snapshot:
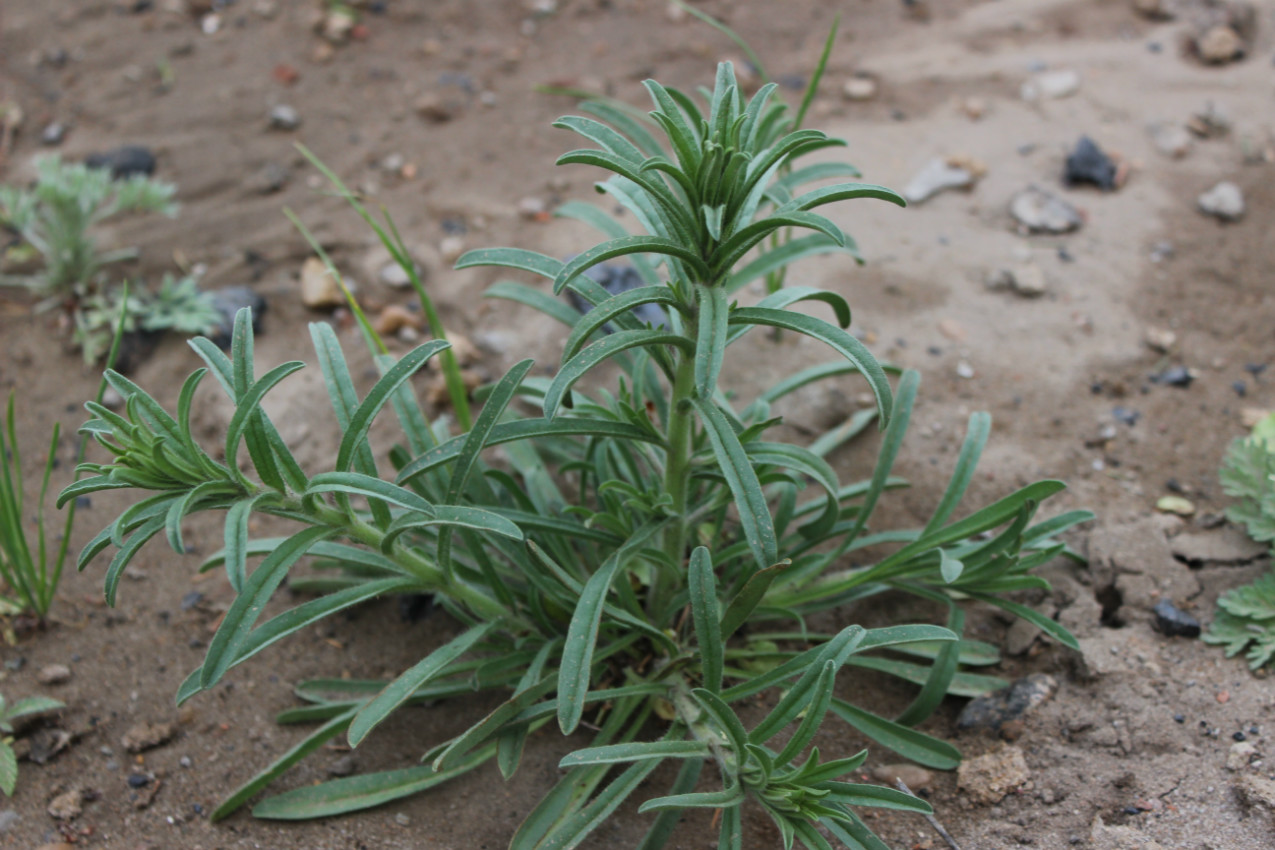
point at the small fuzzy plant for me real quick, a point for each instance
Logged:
(56, 217)
(1245, 617)
(641, 563)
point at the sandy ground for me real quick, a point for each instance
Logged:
(1138, 735)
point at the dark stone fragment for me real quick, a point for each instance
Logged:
(998, 708)
(135, 347)
(190, 600)
(124, 161)
(1088, 164)
(1238, 736)
(1127, 415)
(84, 502)
(138, 780)
(414, 607)
(230, 300)
(1174, 376)
(1172, 622)
(1255, 369)
(1241, 388)
(616, 278)
(1179, 718)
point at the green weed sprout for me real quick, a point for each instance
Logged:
(640, 558)
(30, 570)
(56, 217)
(178, 305)
(1245, 617)
(8, 714)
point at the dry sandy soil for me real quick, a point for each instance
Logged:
(1106, 749)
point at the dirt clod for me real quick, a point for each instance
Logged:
(146, 736)
(67, 805)
(988, 778)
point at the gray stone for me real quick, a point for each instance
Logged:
(937, 175)
(994, 710)
(1224, 201)
(284, 117)
(1051, 85)
(1038, 211)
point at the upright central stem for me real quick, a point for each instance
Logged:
(677, 471)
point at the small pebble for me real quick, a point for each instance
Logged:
(53, 674)
(1174, 376)
(1224, 201)
(53, 134)
(1173, 622)
(284, 117)
(138, 780)
(124, 161)
(859, 88)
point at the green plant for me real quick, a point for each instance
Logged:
(178, 305)
(57, 214)
(8, 714)
(645, 556)
(27, 572)
(1245, 617)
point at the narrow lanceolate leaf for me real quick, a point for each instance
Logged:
(660, 832)
(636, 751)
(628, 245)
(356, 793)
(248, 605)
(575, 368)
(941, 673)
(710, 343)
(361, 418)
(1049, 626)
(534, 298)
(279, 766)
(358, 484)
(617, 305)
(750, 596)
(513, 258)
(402, 688)
(754, 512)
(529, 429)
(569, 833)
(725, 798)
(813, 718)
(704, 612)
(907, 742)
(842, 342)
(980, 424)
(582, 634)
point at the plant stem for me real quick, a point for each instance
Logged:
(677, 470)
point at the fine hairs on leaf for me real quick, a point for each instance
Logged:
(630, 551)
